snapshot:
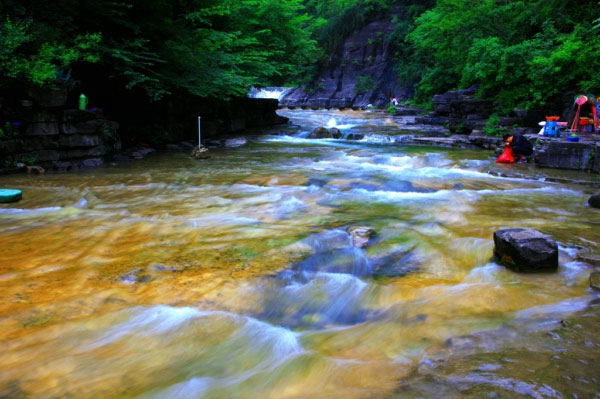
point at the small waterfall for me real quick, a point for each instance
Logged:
(332, 123)
(269, 92)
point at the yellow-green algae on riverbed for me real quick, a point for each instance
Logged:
(236, 278)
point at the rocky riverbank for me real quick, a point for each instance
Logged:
(459, 119)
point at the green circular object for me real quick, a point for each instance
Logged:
(9, 195)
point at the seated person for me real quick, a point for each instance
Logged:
(522, 148)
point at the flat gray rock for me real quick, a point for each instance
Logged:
(526, 250)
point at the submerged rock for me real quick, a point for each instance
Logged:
(360, 235)
(319, 133)
(235, 142)
(134, 276)
(200, 152)
(526, 250)
(396, 264)
(335, 133)
(92, 163)
(595, 280)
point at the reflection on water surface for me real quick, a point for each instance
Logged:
(236, 277)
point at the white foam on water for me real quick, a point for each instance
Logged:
(82, 203)
(260, 199)
(332, 283)
(485, 274)
(555, 310)
(458, 195)
(194, 388)
(573, 270)
(312, 189)
(570, 251)
(269, 92)
(300, 140)
(277, 343)
(409, 167)
(555, 211)
(222, 220)
(329, 294)
(328, 240)
(290, 206)
(376, 139)
(392, 196)
(34, 211)
(510, 384)
(149, 321)
(332, 123)
(162, 319)
(281, 342)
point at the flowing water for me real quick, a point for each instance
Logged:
(236, 277)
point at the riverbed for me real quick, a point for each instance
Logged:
(236, 276)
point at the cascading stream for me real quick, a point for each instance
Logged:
(238, 277)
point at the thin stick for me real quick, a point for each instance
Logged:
(199, 134)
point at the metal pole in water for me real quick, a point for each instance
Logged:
(199, 134)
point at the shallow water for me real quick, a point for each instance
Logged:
(235, 277)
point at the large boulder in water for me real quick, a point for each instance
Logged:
(335, 133)
(526, 250)
(320, 133)
(594, 200)
(324, 133)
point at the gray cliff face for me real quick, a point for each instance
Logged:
(359, 74)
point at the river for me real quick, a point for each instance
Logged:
(236, 277)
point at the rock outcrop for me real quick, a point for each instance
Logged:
(324, 133)
(459, 110)
(359, 74)
(594, 200)
(565, 155)
(525, 250)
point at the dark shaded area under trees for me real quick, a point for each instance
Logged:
(152, 62)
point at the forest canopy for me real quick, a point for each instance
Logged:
(517, 52)
(209, 48)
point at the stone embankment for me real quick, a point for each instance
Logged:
(58, 138)
(42, 130)
(466, 118)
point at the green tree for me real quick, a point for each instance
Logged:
(519, 53)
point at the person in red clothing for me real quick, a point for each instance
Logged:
(522, 148)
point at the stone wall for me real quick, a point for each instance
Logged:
(55, 137)
(560, 154)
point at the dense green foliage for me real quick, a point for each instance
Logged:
(520, 53)
(209, 48)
